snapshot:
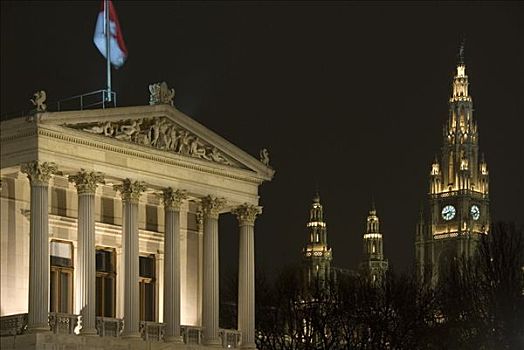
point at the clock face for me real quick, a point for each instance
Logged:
(475, 212)
(448, 212)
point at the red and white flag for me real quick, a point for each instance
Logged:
(117, 47)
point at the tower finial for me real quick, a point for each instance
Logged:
(460, 56)
(316, 197)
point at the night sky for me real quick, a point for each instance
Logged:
(351, 97)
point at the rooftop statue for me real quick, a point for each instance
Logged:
(161, 94)
(264, 156)
(38, 101)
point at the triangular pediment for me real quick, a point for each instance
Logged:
(162, 128)
(160, 133)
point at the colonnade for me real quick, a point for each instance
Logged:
(86, 183)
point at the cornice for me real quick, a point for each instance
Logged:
(149, 154)
(17, 135)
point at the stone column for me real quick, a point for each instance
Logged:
(172, 201)
(39, 175)
(130, 192)
(246, 215)
(86, 183)
(210, 305)
(200, 229)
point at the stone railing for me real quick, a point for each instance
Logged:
(62, 323)
(192, 335)
(13, 324)
(112, 327)
(109, 327)
(152, 331)
(230, 338)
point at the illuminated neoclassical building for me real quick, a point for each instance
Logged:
(457, 212)
(109, 228)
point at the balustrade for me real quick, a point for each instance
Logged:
(13, 324)
(192, 335)
(109, 327)
(230, 338)
(62, 323)
(152, 331)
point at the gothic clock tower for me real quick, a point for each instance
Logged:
(457, 211)
(317, 253)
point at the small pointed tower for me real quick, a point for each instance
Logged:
(458, 197)
(373, 265)
(317, 253)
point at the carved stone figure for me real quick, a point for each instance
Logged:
(102, 128)
(154, 132)
(215, 156)
(157, 132)
(161, 94)
(126, 131)
(183, 146)
(165, 137)
(264, 156)
(38, 101)
(194, 148)
(173, 138)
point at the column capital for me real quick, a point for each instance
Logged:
(39, 173)
(247, 213)
(173, 198)
(211, 206)
(86, 181)
(130, 190)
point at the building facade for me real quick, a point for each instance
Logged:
(374, 265)
(109, 227)
(457, 211)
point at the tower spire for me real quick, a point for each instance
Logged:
(460, 55)
(374, 265)
(317, 253)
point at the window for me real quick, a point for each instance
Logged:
(61, 277)
(147, 288)
(105, 282)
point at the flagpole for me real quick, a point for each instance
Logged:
(108, 48)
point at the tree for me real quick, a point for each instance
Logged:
(481, 298)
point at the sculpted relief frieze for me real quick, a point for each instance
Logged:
(159, 133)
